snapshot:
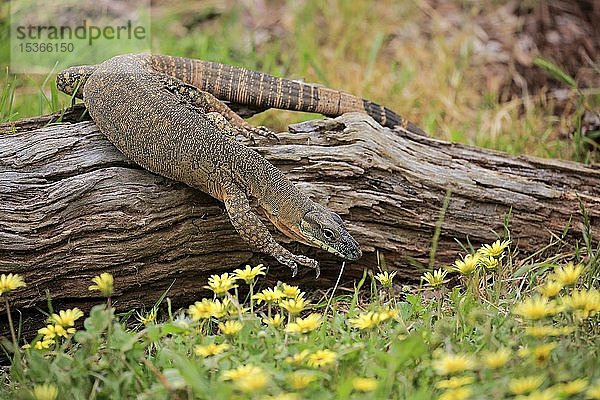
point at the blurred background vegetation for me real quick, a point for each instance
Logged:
(518, 76)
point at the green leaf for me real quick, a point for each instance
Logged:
(555, 71)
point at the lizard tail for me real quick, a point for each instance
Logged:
(242, 86)
(387, 117)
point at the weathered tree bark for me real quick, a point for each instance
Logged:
(72, 206)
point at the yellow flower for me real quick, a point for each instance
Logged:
(290, 291)
(51, 331)
(293, 306)
(103, 283)
(10, 282)
(297, 358)
(249, 274)
(569, 274)
(221, 284)
(564, 330)
(364, 384)
(248, 378)
(497, 359)
(388, 312)
(534, 308)
(240, 373)
(593, 391)
(300, 379)
(208, 308)
(252, 383)
(547, 394)
(489, 262)
(201, 309)
(210, 349)
(304, 325)
(585, 303)
(525, 385)
(495, 250)
(540, 354)
(47, 391)
(468, 265)
(67, 317)
(551, 288)
(385, 278)
(275, 321)
(148, 318)
(540, 331)
(437, 278)
(454, 382)
(230, 327)
(283, 396)
(452, 363)
(321, 358)
(43, 344)
(543, 331)
(368, 319)
(572, 388)
(456, 394)
(268, 296)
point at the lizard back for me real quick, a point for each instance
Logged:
(160, 132)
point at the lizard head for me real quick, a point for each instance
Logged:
(323, 228)
(72, 80)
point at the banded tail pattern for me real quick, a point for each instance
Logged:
(243, 86)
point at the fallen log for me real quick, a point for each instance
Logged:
(72, 206)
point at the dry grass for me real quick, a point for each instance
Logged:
(443, 67)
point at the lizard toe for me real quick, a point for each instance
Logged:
(307, 262)
(266, 132)
(294, 268)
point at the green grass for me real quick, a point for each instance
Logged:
(399, 54)
(377, 343)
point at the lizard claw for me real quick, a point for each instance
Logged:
(308, 262)
(260, 131)
(294, 260)
(266, 132)
(248, 131)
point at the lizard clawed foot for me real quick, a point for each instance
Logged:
(294, 260)
(250, 131)
(266, 132)
(308, 262)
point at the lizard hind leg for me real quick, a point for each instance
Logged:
(209, 104)
(255, 233)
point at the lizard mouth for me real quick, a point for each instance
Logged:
(347, 248)
(352, 255)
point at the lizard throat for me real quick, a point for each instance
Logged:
(296, 234)
(291, 232)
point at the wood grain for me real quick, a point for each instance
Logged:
(72, 206)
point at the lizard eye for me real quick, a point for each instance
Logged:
(328, 233)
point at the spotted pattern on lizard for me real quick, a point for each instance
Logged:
(166, 115)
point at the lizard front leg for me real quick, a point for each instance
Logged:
(255, 233)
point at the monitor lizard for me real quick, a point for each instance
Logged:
(165, 114)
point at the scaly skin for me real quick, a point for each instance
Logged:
(255, 89)
(176, 130)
